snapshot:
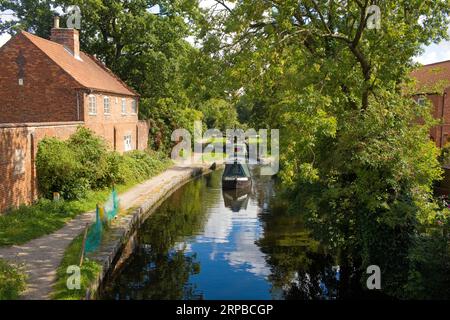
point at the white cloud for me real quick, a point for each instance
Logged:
(5, 16)
(155, 9)
(4, 38)
(435, 53)
(209, 3)
(247, 254)
(218, 227)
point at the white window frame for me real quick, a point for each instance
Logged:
(106, 105)
(124, 106)
(92, 105)
(422, 101)
(127, 143)
(134, 106)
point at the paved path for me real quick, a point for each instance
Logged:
(41, 257)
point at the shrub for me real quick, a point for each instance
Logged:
(12, 281)
(113, 174)
(220, 114)
(444, 157)
(137, 166)
(165, 116)
(83, 163)
(91, 153)
(59, 171)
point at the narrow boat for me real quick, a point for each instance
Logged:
(236, 176)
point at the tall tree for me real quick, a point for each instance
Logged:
(354, 155)
(143, 41)
(35, 16)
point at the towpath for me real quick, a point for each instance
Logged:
(41, 257)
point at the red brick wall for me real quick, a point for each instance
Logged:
(48, 93)
(143, 130)
(445, 128)
(113, 127)
(18, 147)
(441, 133)
(14, 186)
(70, 38)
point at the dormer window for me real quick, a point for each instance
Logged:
(106, 105)
(92, 105)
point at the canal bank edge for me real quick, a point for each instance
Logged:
(120, 239)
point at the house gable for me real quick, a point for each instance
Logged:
(33, 88)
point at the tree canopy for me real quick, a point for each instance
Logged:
(149, 45)
(355, 157)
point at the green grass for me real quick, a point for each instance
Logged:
(90, 269)
(12, 281)
(30, 222)
(218, 140)
(45, 217)
(210, 158)
(89, 273)
(251, 140)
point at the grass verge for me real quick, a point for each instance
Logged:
(26, 223)
(30, 222)
(12, 281)
(89, 273)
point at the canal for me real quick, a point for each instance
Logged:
(207, 243)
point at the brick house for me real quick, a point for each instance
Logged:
(433, 83)
(49, 88)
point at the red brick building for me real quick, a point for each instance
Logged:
(433, 83)
(49, 88)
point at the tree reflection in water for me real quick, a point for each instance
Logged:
(160, 267)
(311, 250)
(324, 255)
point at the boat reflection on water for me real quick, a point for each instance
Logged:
(236, 199)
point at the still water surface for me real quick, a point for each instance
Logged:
(202, 243)
(207, 243)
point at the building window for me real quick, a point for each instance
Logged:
(133, 106)
(127, 143)
(124, 106)
(92, 105)
(422, 101)
(107, 105)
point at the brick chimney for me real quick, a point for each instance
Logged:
(70, 38)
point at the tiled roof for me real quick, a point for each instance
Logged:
(88, 72)
(432, 77)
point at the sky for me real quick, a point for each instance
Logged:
(433, 53)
